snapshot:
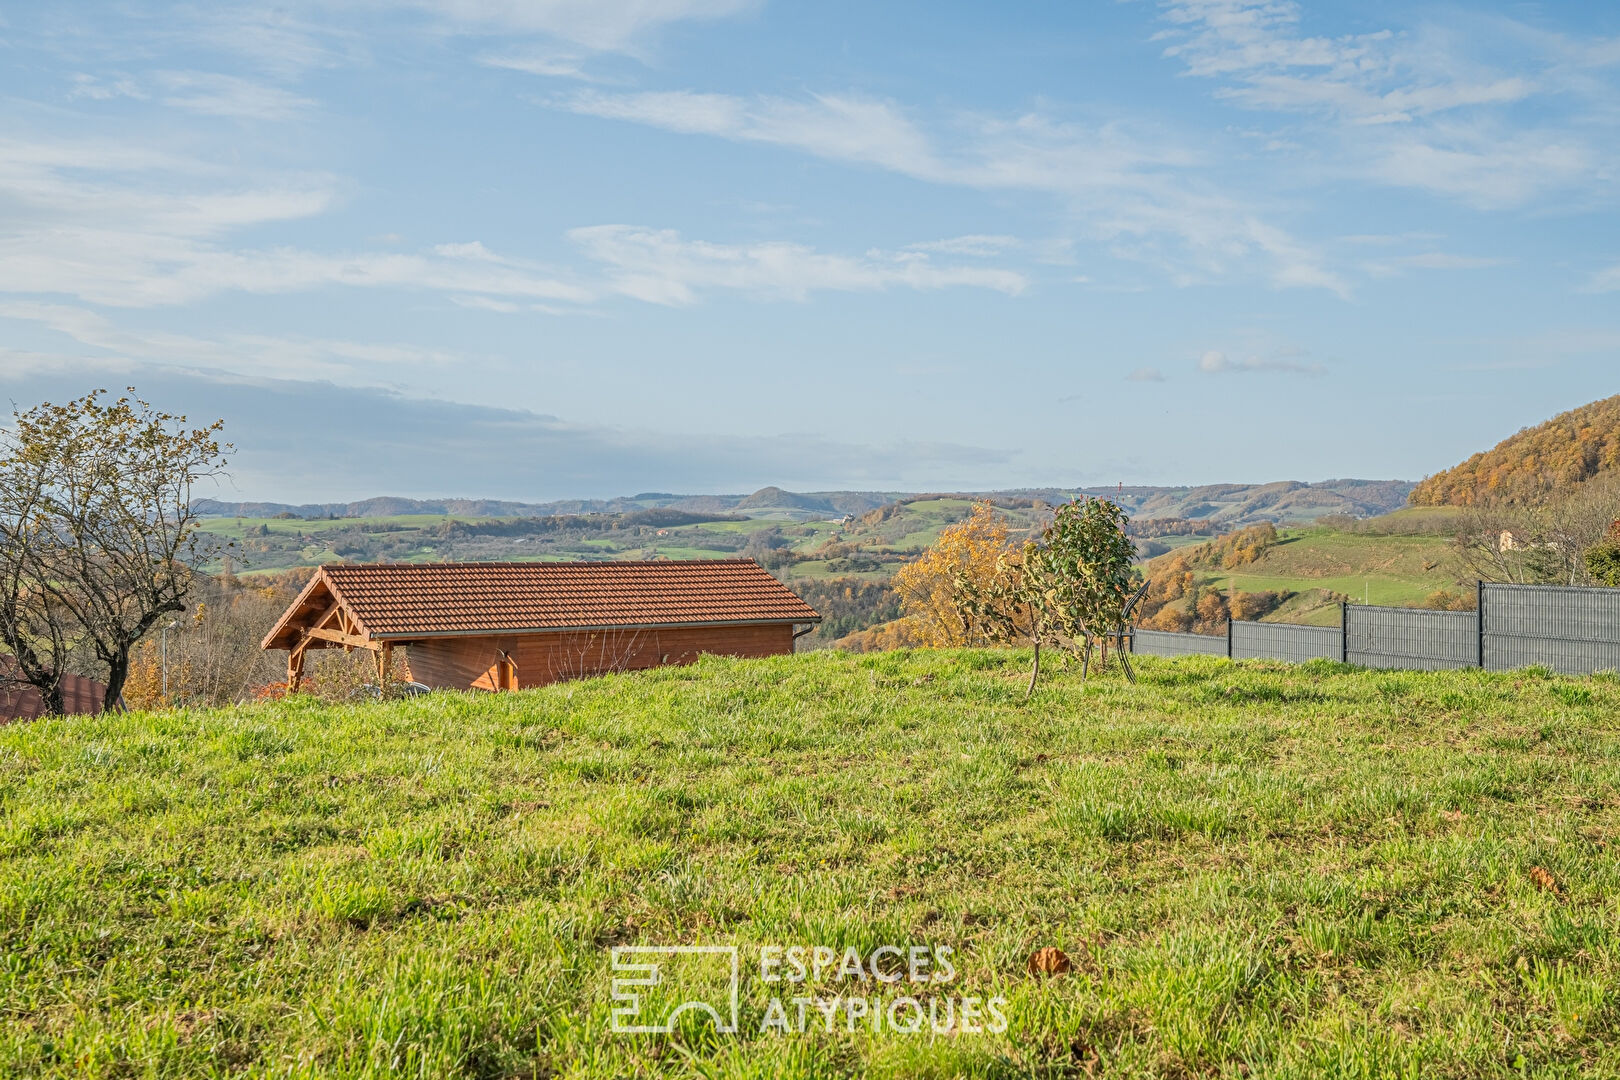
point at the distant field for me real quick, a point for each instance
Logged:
(1387, 570)
(236, 528)
(1254, 869)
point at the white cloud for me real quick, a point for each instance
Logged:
(276, 38)
(1138, 196)
(978, 245)
(827, 125)
(474, 249)
(1487, 165)
(129, 226)
(1374, 78)
(91, 88)
(1607, 280)
(603, 25)
(659, 266)
(1215, 362)
(546, 64)
(1146, 374)
(1432, 260)
(240, 354)
(1423, 109)
(230, 96)
(486, 303)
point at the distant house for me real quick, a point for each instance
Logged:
(19, 701)
(502, 626)
(1509, 540)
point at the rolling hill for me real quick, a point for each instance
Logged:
(1288, 501)
(1571, 448)
(1310, 570)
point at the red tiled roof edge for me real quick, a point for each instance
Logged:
(404, 600)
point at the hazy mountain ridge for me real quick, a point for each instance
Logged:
(1281, 501)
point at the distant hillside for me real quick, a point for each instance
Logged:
(1568, 449)
(1282, 502)
(801, 504)
(1222, 504)
(385, 506)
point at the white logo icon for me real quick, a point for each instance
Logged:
(691, 967)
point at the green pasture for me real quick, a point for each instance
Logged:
(1253, 870)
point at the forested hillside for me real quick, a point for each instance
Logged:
(1568, 449)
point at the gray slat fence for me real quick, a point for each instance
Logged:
(1575, 631)
(1571, 630)
(1410, 638)
(1169, 643)
(1286, 641)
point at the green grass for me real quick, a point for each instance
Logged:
(1389, 570)
(1257, 870)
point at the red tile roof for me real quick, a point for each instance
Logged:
(399, 600)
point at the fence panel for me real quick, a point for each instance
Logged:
(1284, 641)
(1410, 638)
(1574, 631)
(1169, 643)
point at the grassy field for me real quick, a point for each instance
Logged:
(1390, 571)
(1255, 870)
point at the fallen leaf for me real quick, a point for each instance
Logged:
(1049, 961)
(1544, 879)
(1453, 815)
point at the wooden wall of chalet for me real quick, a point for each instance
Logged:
(19, 702)
(475, 662)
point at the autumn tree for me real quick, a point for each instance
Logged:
(929, 587)
(1071, 586)
(1014, 603)
(97, 537)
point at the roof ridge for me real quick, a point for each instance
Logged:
(504, 564)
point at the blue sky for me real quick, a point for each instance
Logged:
(591, 247)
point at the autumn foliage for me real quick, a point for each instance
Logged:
(1177, 600)
(1568, 449)
(968, 550)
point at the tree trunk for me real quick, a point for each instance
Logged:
(1034, 671)
(50, 696)
(117, 675)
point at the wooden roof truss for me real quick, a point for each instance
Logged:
(336, 627)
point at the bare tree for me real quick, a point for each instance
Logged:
(595, 653)
(97, 537)
(1544, 543)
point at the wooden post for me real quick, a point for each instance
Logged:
(295, 669)
(385, 668)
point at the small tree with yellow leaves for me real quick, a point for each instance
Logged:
(930, 587)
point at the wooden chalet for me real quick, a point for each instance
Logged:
(501, 626)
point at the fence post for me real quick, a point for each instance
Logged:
(1479, 609)
(1344, 631)
(1229, 637)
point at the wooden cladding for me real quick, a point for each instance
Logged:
(513, 661)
